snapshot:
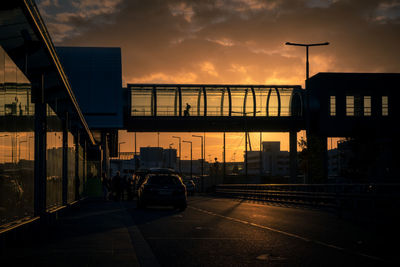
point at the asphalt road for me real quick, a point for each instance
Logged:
(232, 232)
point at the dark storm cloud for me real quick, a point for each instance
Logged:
(236, 41)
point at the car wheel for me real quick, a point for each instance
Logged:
(182, 206)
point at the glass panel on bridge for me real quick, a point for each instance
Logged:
(286, 96)
(249, 103)
(261, 101)
(167, 101)
(201, 106)
(216, 99)
(190, 98)
(272, 102)
(238, 98)
(141, 101)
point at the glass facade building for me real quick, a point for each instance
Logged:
(16, 142)
(43, 134)
(17, 150)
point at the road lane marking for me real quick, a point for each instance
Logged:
(144, 253)
(202, 238)
(287, 234)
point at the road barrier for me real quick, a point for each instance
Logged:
(338, 196)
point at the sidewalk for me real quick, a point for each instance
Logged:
(95, 234)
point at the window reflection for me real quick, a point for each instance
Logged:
(367, 106)
(54, 160)
(332, 105)
(16, 143)
(349, 105)
(71, 167)
(81, 161)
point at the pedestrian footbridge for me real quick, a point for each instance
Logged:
(205, 107)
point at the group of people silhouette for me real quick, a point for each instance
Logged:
(118, 187)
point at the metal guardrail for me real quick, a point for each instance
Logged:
(338, 196)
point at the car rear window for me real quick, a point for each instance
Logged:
(163, 180)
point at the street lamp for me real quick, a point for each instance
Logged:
(119, 149)
(307, 46)
(180, 153)
(202, 154)
(191, 157)
(170, 156)
(202, 160)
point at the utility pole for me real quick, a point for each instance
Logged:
(202, 154)
(180, 153)
(191, 158)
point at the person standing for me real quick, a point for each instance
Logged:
(105, 182)
(117, 186)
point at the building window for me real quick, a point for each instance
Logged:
(367, 105)
(349, 105)
(385, 105)
(332, 105)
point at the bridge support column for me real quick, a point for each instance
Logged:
(317, 158)
(65, 161)
(105, 165)
(293, 155)
(40, 171)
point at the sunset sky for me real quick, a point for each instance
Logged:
(230, 41)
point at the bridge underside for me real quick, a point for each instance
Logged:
(214, 124)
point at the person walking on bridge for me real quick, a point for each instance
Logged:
(187, 109)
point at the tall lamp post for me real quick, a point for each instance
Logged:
(191, 157)
(202, 160)
(180, 153)
(293, 133)
(307, 46)
(202, 154)
(170, 156)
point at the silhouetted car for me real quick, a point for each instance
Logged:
(190, 187)
(162, 189)
(162, 171)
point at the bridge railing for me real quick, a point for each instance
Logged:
(338, 196)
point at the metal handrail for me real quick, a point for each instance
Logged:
(340, 196)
